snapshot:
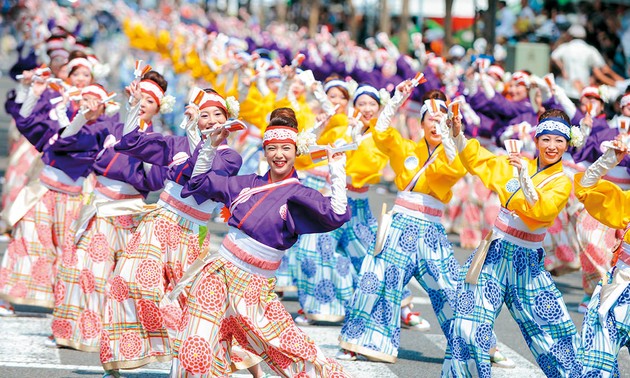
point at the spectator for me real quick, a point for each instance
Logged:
(576, 60)
(506, 20)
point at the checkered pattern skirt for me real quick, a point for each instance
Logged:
(225, 304)
(83, 273)
(135, 325)
(29, 267)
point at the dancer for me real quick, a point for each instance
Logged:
(165, 243)
(107, 220)
(232, 297)
(606, 323)
(511, 269)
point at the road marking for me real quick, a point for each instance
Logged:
(523, 367)
(327, 338)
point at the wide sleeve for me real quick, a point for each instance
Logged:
(153, 148)
(552, 198)
(441, 175)
(396, 148)
(364, 165)
(605, 202)
(309, 212)
(484, 164)
(37, 128)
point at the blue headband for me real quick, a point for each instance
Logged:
(366, 90)
(554, 126)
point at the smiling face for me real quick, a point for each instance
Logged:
(368, 107)
(81, 77)
(211, 116)
(274, 84)
(336, 97)
(297, 87)
(148, 108)
(430, 125)
(550, 148)
(517, 92)
(281, 158)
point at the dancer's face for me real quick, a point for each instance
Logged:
(368, 107)
(81, 77)
(550, 148)
(281, 158)
(211, 116)
(148, 108)
(336, 97)
(518, 92)
(430, 125)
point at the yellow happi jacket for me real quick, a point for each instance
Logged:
(365, 165)
(255, 108)
(408, 157)
(606, 202)
(334, 130)
(497, 174)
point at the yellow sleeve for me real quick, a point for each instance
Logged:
(605, 202)
(335, 129)
(439, 177)
(365, 165)
(552, 198)
(255, 108)
(495, 172)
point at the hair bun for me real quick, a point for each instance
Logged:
(283, 117)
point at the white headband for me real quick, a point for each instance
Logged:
(79, 62)
(280, 134)
(151, 88)
(432, 106)
(335, 83)
(625, 100)
(95, 90)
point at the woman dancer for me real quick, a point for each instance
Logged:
(165, 243)
(232, 297)
(107, 221)
(532, 193)
(607, 322)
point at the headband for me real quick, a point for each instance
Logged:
(366, 90)
(151, 88)
(76, 62)
(432, 106)
(625, 100)
(554, 126)
(280, 134)
(95, 90)
(335, 83)
(521, 78)
(213, 99)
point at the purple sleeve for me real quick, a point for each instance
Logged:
(309, 212)
(591, 151)
(153, 148)
(89, 139)
(505, 108)
(218, 186)
(10, 106)
(37, 128)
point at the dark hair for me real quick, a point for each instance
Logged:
(157, 78)
(554, 113)
(343, 90)
(435, 94)
(283, 117)
(73, 55)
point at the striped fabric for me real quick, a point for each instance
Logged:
(83, 273)
(286, 273)
(413, 248)
(561, 243)
(597, 243)
(136, 329)
(226, 303)
(601, 342)
(27, 275)
(513, 275)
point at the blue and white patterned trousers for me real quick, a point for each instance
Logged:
(513, 275)
(601, 342)
(413, 248)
